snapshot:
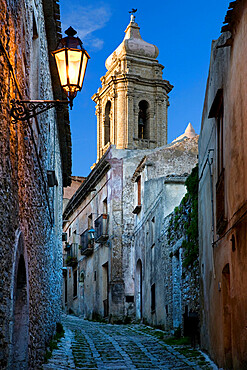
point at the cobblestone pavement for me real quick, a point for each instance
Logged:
(93, 345)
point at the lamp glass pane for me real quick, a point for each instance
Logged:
(61, 66)
(83, 69)
(74, 59)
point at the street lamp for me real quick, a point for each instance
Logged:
(91, 236)
(71, 60)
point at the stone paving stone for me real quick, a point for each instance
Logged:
(93, 345)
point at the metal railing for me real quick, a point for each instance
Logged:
(86, 246)
(101, 228)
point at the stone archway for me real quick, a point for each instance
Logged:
(143, 120)
(139, 289)
(20, 311)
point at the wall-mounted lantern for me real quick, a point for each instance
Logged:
(71, 60)
(91, 233)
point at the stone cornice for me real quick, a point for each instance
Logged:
(134, 79)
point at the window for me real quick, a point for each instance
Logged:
(105, 210)
(167, 312)
(153, 298)
(138, 193)
(74, 236)
(75, 283)
(220, 141)
(129, 299)
(143, 120)
(217, 112)
(152, 230)
(65, 290)
(90, 221)
(138, 181)
(107, 123)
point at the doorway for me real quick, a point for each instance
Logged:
(105, 287)
(139, 289)
(20, 332)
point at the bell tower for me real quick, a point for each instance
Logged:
(131, 105)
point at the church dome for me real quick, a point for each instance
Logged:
(133, 44)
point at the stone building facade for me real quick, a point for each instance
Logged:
(222, 196)
(158, 256)
(134, 161)
(31, 152)
(131, 117)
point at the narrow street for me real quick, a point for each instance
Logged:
(94, 345)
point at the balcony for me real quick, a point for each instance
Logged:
(86, 246)
(221, 220)
(101, 228)
(71, 256)
(71, 249)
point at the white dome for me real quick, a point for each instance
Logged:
(133, 44)
(189, 133)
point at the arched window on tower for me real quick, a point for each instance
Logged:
(107, 123)
(143, 120)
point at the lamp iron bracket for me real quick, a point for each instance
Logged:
(22, 110)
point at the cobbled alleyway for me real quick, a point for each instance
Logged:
(94, 345)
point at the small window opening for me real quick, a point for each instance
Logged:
(35, 28)
(143, 120)
(75, 283)
(167, 312)
(107, 123)
(105, 210)
(233, 242)
(138, 181)
(153, 231)
(90, 221)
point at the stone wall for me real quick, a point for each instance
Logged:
(30, 211)
(182, 282)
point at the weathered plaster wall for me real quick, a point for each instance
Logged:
(222, 264)
(30, 212)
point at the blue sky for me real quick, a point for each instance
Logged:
(183, 32)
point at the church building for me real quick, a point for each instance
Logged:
(101, 218)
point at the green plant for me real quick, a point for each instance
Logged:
(71, 261)
(53, 342)
(190, 244)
